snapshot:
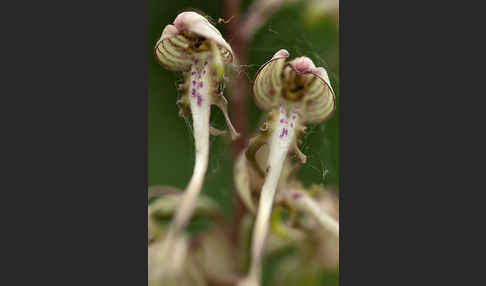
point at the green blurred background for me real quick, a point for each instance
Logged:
(171, 149)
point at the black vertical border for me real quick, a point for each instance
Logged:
(79, 215)
(408, 131)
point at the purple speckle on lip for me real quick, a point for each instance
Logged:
(199, 100)
(281, 121)
(296, 196)
(193, 82)
(200, 84)
(284, 132)
(193, 73)
(193, 91)
(292, 125)
(196, 61)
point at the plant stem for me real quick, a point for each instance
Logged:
(281, 141)
(201, 110)
(239, 88)
(238, 104)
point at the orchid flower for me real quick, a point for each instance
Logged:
(193, 46)
(294, 93)
(319, 248)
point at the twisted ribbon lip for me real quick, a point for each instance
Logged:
(318, 72)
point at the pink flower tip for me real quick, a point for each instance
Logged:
(302, 65)
(186, 19)
(283, 53)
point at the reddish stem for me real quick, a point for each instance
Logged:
(239, 99)
(239, 88)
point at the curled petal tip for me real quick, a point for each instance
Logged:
(283, 53)
(320, 71)
(185, 19)
(169, 32)
(302, 65)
